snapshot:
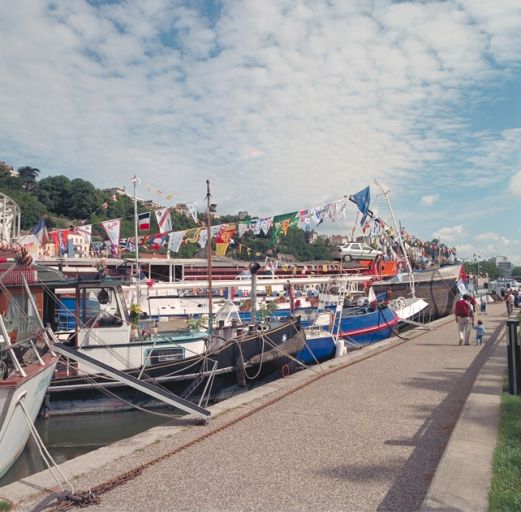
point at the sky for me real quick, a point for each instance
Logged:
(281, 104)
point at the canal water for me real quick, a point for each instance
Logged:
(67, 437)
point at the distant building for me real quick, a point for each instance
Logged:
(505, 267)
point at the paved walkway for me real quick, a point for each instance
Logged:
(364, 437)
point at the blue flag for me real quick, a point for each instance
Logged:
(362, 199)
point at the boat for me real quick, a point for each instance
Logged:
(230, 356)
(236, 358)
(438, 287)
(27, 361)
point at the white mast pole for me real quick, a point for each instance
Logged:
(396, 227)
(135, 181)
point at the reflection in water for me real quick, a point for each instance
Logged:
(67, 437)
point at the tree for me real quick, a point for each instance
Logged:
(83, 199)
(32, 209)
(54, 192)
(485, 267)
(28, 176)
(516, 272)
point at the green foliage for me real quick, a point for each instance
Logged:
(83, 200)
(28, 176)
(64, 203)
(32, 209)
(505, 490)
(54, 192)
(488, 267)
(516, 272)
(5, 505)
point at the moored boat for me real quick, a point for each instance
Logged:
(27, 362)
(438, 287)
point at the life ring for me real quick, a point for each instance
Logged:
(285, 371)
(400, 303)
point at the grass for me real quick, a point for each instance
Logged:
(505, 491)
(4, 505)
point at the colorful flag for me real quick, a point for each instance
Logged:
(61, 240)
(144, 221)
(163, 220)
(40, 232)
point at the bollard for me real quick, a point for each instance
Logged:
(514, 358)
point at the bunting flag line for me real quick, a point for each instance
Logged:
(40, 232)
(163, 220)
(144, 221)
(113, 229)
(174, 240)
(61, 240)
(362, 199)
(85, 232)
(192, 210)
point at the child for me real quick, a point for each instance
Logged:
(480, 332)
(483, 304)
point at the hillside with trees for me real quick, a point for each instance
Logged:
(66, 203)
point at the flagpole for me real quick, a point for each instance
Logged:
(209, 252)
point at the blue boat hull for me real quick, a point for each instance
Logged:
(317, 349)
(367, 325)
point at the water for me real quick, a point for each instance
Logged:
(67, 437)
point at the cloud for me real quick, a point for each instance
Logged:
(515, 184)
(450, 233)
(279, 105)
(429, 200)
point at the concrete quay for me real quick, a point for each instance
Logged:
(404, 425)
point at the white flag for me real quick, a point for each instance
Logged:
(192, 210)
(203, 238)
(175, 239)
(163, 220)
(85, 232)
(113, 228)
(265, 224)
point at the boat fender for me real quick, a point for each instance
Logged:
(340, 348)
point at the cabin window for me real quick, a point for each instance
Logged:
(99, 308)
(165, 355)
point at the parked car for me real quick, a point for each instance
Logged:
(354, 251)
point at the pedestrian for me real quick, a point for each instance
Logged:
(509, 300)
(483, 304)
(465, 319)
(480, 332)
(472, 302)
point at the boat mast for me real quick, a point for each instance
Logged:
(135, 180)
(400, 239)
(209, 252)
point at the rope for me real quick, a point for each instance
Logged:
(46, 456)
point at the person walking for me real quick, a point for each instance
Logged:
(483, 304)
(480, 332)
(465, 319)
(509, 300)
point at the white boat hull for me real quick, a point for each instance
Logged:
(15, 429)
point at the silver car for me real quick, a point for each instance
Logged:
(354, 251)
